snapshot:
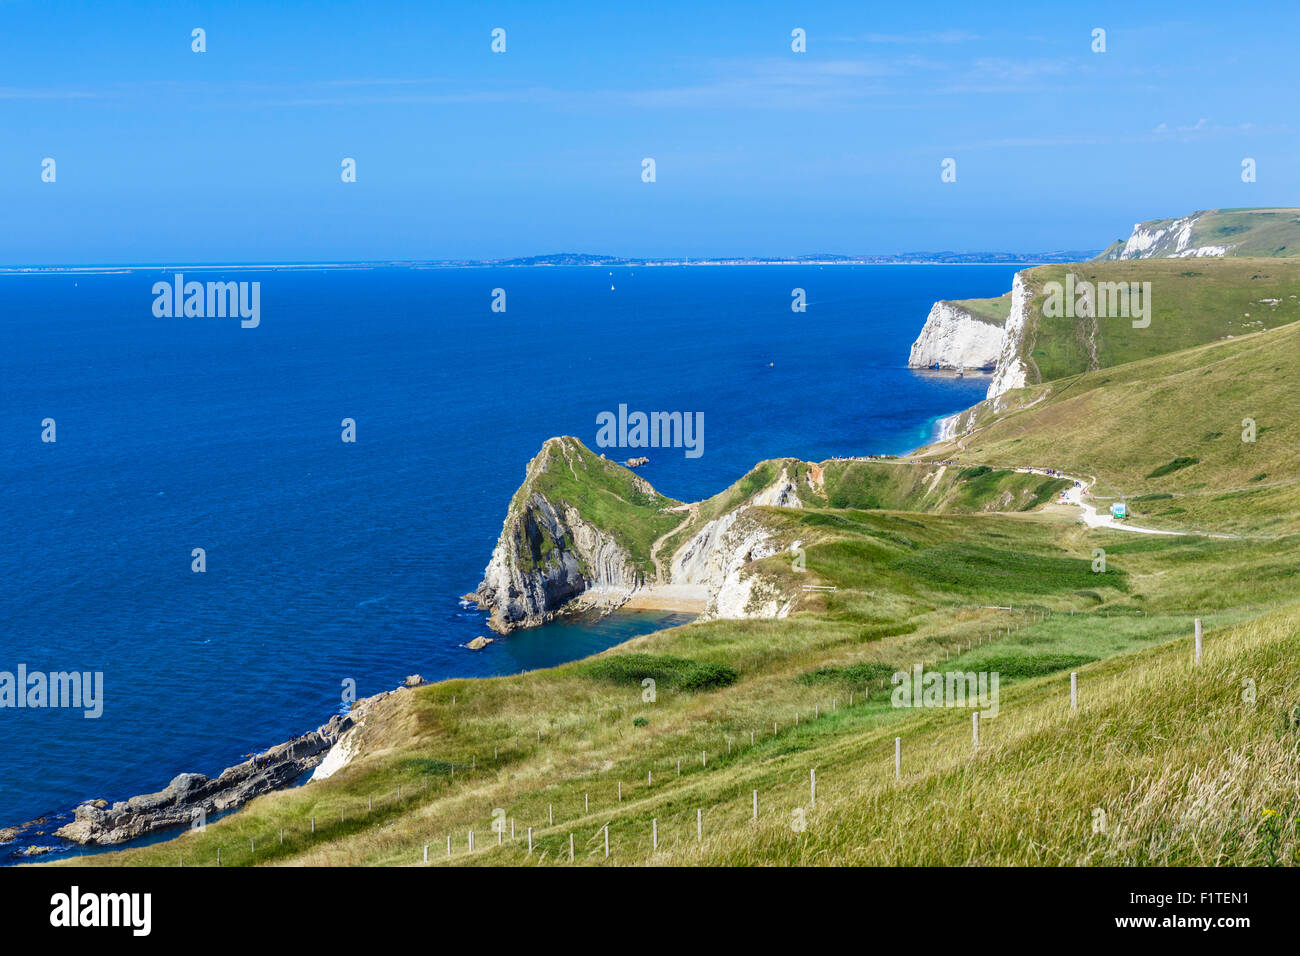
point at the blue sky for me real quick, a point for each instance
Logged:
(165, 155)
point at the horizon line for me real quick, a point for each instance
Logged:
(553, 260)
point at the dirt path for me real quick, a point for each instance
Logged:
(692, 512)
(1094, 518)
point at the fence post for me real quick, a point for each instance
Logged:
(620, 791)
(812, 785)
(898, 758)
(699, 825)
(755, 806)
(570, 847)
(607, 839)
(471, 841)
(1074, 690)
(530, 840)
(550, 814)
(975, 730)
(1198, 640)
(426, 853)
(654, 834)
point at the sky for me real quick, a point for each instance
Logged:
(164, 155)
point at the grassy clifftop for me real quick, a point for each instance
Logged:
(993, 311)
(1237, 232)
(1193, 302)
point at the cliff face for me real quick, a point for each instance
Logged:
(956, 338)
(551, 551)
(1012, 372)
(545, 558)
(718, 558)
(1165, 239)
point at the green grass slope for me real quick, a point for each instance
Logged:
(1166, 433)
(1192, 302)
(993, 311)
(756, 705)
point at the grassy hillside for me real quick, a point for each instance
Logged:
(903, 486)
(1193, 302)
(1166, 434)
(910, 588)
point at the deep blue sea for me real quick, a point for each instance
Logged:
(328, 560)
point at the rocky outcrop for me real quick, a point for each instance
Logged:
(955, 338)
(551, 559)
(544, 559)
(549, 553)
(192, 795)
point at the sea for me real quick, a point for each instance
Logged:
(328, 561)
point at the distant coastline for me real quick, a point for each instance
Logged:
(579, 259)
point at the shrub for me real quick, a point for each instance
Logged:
(1176, 465)
(680, 672)
(862, 673)
(1032, 665)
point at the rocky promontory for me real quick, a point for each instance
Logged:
(552, 550)
(190, 796)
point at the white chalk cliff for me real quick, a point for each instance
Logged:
(719, 555)
(953, 338)
(1011, 371)
(1166, 239)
